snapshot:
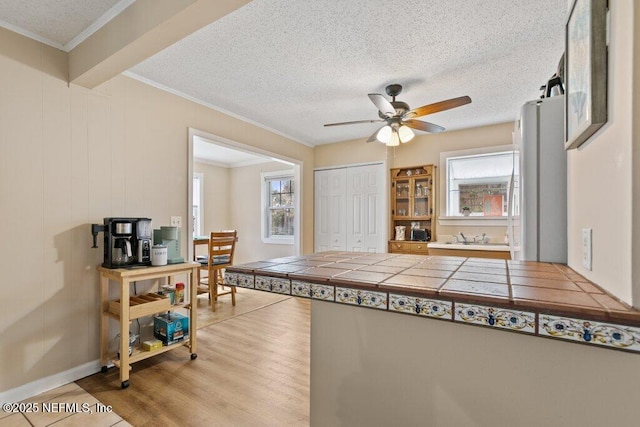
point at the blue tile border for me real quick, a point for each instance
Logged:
(361, 297)
(590, 332)
(239, 279)
(596, 333)
(273, 284)
(504, 318)
(438, 309)
(312, 290)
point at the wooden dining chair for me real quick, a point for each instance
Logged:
(221, 246)
(202, 280)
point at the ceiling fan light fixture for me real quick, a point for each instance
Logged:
(405, 133)
(384, 134)
(395, 139)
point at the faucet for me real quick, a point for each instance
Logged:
(464, 239)
(478, 239)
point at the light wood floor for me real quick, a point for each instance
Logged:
(246, 300)
(251, 370)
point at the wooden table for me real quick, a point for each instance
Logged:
(125, 313)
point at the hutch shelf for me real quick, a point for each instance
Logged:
(413, 210)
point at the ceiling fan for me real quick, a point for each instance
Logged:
(400, 119)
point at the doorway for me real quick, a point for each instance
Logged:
(231, 183)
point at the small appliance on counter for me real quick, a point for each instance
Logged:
(420, 235)
(127, 241)
(169, 237)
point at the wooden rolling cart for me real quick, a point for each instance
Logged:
(129, 307)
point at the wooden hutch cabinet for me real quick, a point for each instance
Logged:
(413, 196)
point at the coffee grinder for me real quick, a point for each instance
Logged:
(127, 241)
(169, 237)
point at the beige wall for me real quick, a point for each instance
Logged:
(216, 206)
(600, 176)
(246, 208)
(373, 368)
(232, 200)
(70, 156)
(424, 149)
(635, 179)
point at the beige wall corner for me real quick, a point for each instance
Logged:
(34, 54)
(143, 29)
(425, 148)
(348, 152)
(635, 160)
(600, 173)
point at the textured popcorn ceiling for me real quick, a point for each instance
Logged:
(55, 22)
(293, 65)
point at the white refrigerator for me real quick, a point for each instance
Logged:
(537, 228)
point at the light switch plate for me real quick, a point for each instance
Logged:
(176, 221)
(586, 248)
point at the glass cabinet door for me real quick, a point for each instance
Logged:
(421, 195)
(402, 197)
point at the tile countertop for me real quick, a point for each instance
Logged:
(553, 289)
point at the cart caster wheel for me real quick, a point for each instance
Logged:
(124, 384)
(104, 369)
(194, 356)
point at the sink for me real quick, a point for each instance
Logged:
(476, 243)
(470, 246)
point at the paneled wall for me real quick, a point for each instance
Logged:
(70, 156)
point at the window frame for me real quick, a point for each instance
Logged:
(198, 220)
(266, 209)
(444, 218)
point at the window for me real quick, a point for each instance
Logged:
(478, 185)
(198, 181)
(279, 207)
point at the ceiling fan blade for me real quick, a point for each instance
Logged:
(437, 107)
(383, 105)
(353, 123)
(374, 136)
(423, 126)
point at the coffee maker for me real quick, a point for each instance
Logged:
(127, 241)
(144, 232)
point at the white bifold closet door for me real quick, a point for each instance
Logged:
(349, 207)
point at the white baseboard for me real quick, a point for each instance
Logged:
(45, 384)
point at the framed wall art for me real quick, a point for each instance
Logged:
(585, 71)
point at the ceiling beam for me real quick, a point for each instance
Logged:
(140, 31)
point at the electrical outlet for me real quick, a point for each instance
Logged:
(176, 221)
(586, 248)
